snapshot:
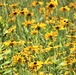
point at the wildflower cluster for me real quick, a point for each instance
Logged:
(37, 37)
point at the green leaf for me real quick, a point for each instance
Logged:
(5, 63)
(7, 71)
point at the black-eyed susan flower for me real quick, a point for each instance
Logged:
(66, 8)
(72, 5)
(29, 14)
(33, 32)
(32, 65)
(29, 22)
(50, 35)
(36, 48)
(52, 4)
(58, 27)
(39, 65)
(10, 43)
(13, 5)
(63, 22)
(35, 66)
(51, 20)
(34, 3)
(14, 12)
(39, 26)
(46, 13)
(24, 11)
(18, 59)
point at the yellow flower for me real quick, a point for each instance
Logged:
(63, 22)
(34, 3)
(66, 8)
(40, 3)
(14, 12)
(50, 35)
(71, 36)
(13, 43)
(50, 74)
(12, 19)
(11, 30)
(58, 27)
(10, 43)
(35, 66)
(24, 11)
(70, 44)
(73, 49)
(7, 43)
(47, 13)
(13, 5)
(42, 73)
(39, 26)
(52, 4)
(41, 9)
(18, 59)
(32, 65)
(34, 32)
(39, 65)
(29, 22)
(66, 73)
(74, 60)
(29, 14)
(73, 5)
(14, 69)
(36, 48)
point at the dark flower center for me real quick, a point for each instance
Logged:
(22, 12)
(29, 14)
(51, 5)
(38, 28)
(15, 13)
(57, 28)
